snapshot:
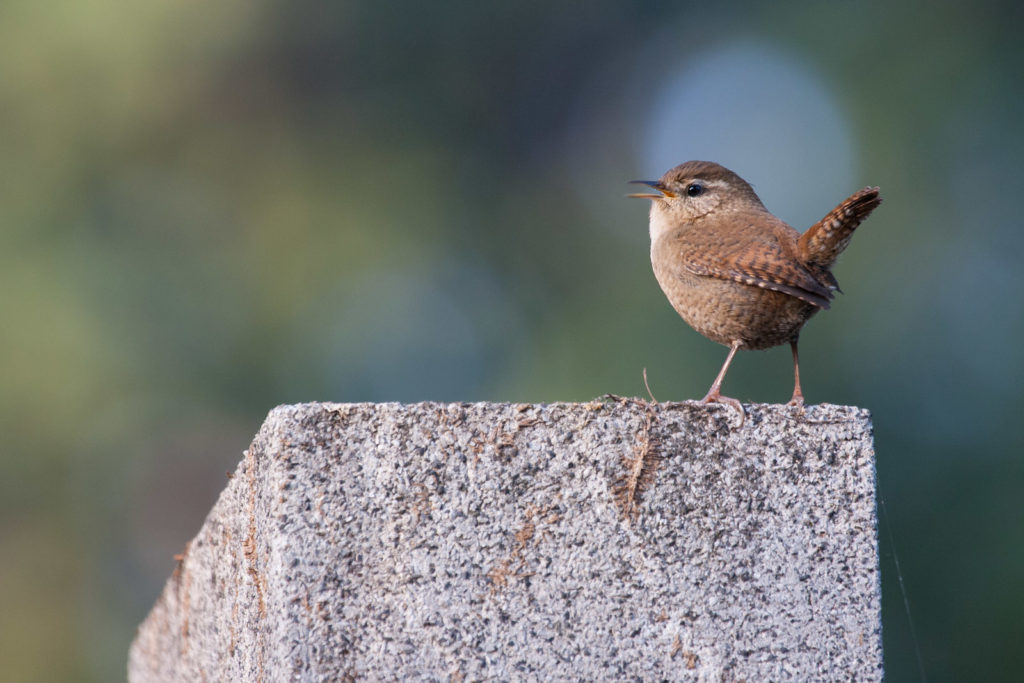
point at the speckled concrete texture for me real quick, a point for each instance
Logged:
(598, 541)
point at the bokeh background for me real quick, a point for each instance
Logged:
(210, 209)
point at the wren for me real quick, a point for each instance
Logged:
(736, 273)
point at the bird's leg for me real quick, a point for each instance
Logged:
(714, 394)
(798, 395)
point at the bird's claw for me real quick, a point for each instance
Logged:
(797, 402)
(714, 396)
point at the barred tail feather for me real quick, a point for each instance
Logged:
(826, 239)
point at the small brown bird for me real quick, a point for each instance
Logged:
(736, 273)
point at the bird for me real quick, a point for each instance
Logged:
(735, 272)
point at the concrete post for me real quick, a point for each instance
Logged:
(613, 540)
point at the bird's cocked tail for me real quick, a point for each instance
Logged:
(825, 240)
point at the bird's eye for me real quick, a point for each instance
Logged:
(694, 190)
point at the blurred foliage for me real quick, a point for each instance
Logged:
(207, 211)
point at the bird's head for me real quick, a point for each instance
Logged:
(691, 191)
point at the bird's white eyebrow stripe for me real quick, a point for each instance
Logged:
(708, 183)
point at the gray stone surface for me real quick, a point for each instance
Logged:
(497, 541)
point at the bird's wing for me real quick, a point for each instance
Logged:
(762, 256)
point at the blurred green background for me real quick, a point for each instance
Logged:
(210, 209)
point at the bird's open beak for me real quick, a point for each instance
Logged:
(657, 185)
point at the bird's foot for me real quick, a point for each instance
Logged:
(797, 402)
(715, 396)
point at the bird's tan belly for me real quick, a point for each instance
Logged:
(724, 311)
